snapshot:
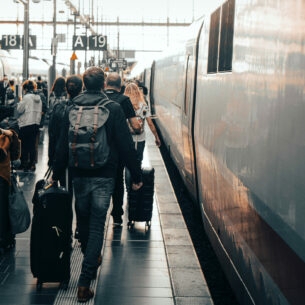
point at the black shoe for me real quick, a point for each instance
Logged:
(117, 220)
(84, 294)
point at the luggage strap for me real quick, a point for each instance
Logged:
(73, 145)
(93, 138)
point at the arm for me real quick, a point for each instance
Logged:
(123, 141)
(61, 149)
(21, 106)
(6, 132)
(153, 130)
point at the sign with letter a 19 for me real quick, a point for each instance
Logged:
(79, 42)
(98, 42)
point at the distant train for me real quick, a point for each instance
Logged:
(12, 66)
(230, 105)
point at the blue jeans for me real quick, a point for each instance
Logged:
(92, 200)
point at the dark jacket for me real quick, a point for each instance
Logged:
(3, 89)
(123, 100)
(119, 139)
(55, 126)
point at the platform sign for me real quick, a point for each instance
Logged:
(79, 42)
(16, 42)
(98, 42)
(32, 42)
(118, 63)
(10, 42)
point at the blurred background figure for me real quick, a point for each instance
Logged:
(29, 111)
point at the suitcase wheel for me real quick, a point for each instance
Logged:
(147, 225)
(130, 224)
(39, 285)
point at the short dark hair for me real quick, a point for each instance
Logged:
(28, 85)
(114, 80)
(94, 78)
(74, 85)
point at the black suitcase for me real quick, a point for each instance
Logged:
(51, 236)
(140, 202)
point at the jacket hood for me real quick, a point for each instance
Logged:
(89, 98)
(36, 98)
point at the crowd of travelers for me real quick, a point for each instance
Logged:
(95, 189)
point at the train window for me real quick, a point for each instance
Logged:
(226, 36)
(221, 38)
(213, 42)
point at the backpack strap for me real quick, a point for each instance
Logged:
(105, 101)
(93, 138)
(73, 145)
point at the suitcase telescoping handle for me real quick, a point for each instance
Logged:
(47, 176)
(48, 173)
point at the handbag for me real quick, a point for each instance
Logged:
(19, 213)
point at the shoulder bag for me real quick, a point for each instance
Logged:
(19, 213)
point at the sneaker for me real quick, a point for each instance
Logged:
(117, 220)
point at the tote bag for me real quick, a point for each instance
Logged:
(19, 213)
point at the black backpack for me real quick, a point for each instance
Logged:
(88, 144)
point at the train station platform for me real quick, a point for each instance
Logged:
(141, 266)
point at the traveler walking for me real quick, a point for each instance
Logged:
(29, 110)
(143, 114)
(58, 93)
(74, 85)
(113, 85)
(93, 177)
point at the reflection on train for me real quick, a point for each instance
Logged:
(230, 105)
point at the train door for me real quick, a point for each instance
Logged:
(186, 117)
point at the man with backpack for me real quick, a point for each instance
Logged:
(113, 85)
(93, 135)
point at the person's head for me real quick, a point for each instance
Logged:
(94, 78)
(28, 85)
(134, 93)
(12, 82)
(113, 80)
(5, 78)
(39, 78)
(59, 86)
(74, 86)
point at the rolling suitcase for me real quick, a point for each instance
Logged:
(140, 202)
(51, 236)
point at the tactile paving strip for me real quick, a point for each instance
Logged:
(69, 296)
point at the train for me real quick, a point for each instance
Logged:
(229, 103)
(12, 66)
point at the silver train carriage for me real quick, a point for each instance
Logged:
(230, 104)
(12, 66)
